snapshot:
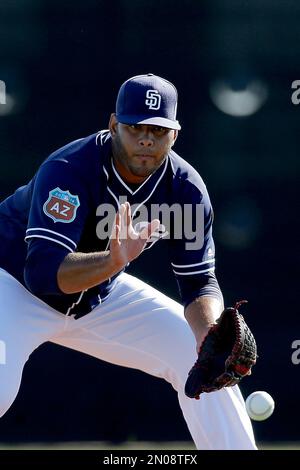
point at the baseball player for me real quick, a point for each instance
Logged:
(67, 237)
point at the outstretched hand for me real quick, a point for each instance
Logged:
(125, 243)
(227, 354)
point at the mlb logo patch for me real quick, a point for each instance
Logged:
(61, 206)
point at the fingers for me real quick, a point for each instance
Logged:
(125, 217)
(125, 230)
(128, 213)
(148, 231)
(117, 234)
(116, 229)
(154, 226)
(122, 223)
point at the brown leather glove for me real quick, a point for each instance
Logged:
(227, 354)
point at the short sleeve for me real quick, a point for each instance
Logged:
(193, 248)
(59, 206)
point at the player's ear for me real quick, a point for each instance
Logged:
(175, 136)
(113, 124)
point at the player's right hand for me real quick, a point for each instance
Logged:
(125, 243)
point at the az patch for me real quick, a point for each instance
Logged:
(61, 206)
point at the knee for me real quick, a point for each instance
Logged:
(176, 373)
(4, 407)
(8, 393)
(5, 404)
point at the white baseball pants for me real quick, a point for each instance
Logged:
(136, 327)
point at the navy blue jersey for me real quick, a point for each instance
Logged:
(64, 209)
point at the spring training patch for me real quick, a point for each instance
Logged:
(61, 206)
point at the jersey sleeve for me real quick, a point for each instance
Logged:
(193, 248)
(58, 212)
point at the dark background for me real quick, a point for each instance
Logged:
(63, 62)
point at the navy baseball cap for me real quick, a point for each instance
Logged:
(147, 99)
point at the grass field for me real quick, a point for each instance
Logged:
(133, 445)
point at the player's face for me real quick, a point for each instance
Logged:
(139, 149)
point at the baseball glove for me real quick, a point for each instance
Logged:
(227, 354)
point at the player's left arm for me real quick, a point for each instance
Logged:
(193, 263)
(226, 348)
(201, 314)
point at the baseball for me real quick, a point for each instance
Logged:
(260, 405)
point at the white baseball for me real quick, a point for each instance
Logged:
(260, 405)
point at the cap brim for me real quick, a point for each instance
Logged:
(155, 121)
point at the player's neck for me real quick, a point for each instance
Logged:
(126, 175)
